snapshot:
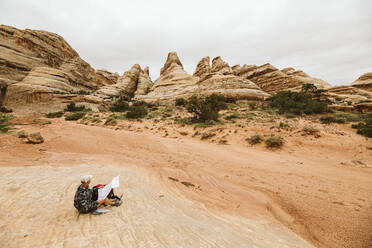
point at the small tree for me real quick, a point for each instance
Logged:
(308, 87)
(206, 109)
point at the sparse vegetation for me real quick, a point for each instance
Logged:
(180, 102)
(73, 108)
(22, 134)
(310, 130)
(206, 109)
(364, 127)
(255, 139)
(5, 110)
(274, 141)
(252, 105)
(296, 103)
(332, 119)
(73, 116)
(183, 121)
(55, 114)
(4, 123)
(119, 106)
(136, 112)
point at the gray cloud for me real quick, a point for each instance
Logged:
(330, 40)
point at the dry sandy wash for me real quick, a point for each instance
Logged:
(182, 192)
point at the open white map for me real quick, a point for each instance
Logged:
(103, 192)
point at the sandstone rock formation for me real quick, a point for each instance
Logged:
(222, 80)
(134, 82)
(272, 80)
(41, 63)
(173, 82)
(105, 77)
(364, 82)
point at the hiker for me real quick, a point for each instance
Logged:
(84, 201)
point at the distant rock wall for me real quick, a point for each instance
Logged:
(364, 82)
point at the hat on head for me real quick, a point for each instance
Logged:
(86, 178)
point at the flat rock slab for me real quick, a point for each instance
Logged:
(37, 211)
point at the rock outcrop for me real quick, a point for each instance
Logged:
(272, 80)
(222, 80)
(105, 77)
(173, 82)
(134, 82)
(35, 64)
(364, 82)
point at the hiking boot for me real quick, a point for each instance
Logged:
(118, 203)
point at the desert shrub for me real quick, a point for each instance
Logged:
(351, 117)
(364, 127)
(4, 123)
(142, 103)
(308, 88)
(252, 105)
(255, 139)
(73, 108)
(296, 103)
(274, 142)
(309, 130)
(55, 114)
(332, 119)
(73, 116)
(5, 110)
(234, 115)
(136, 112)
(119, 106)
(22, 134)
(183, 121)
(180, 102)
(206, 109)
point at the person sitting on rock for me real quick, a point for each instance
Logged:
(84, 201)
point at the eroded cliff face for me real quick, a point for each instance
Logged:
(273, 80)
(364, 82)
(34, 65)
(39, 67)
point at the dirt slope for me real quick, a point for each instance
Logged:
(234, 190)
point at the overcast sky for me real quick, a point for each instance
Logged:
(331, 40)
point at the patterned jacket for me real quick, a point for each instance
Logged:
(83, 200)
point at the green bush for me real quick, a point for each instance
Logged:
(136, 112)
(4, 123)
(73, 116)
(364, 128)
(252, 105)
(183, 121)
(296, 103)
(142, 104)
(255, 139)
(5, 110)
(73, 108)
(274, 142)
(180, 102)
(22, 134)
(332, 119)
(119, 106)
(206, 109)
(55, 114)
(234, 115)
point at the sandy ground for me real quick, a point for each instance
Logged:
(183, 192)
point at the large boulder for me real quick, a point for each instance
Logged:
(364, 82)
(35, 138)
